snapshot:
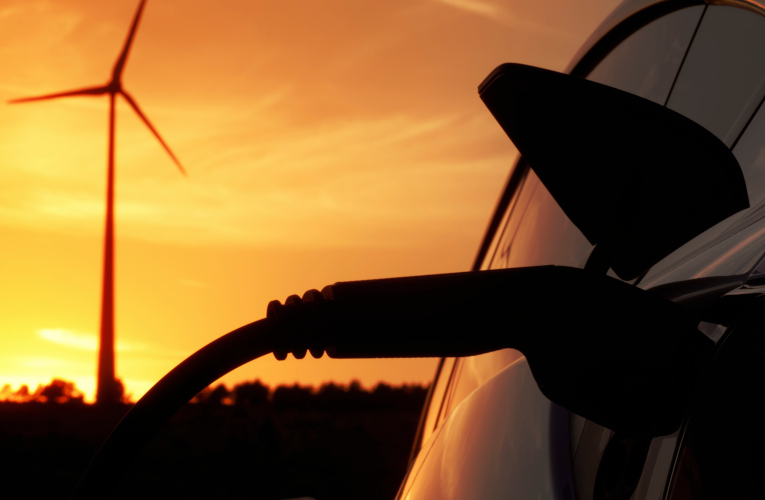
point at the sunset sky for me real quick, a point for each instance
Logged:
(325, 140)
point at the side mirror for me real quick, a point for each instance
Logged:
(638, 179)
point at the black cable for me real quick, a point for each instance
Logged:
(168, 395)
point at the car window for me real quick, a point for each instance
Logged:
(538, 232)
(722, 79)
(491, 254)
(647, 62)
(437, 398)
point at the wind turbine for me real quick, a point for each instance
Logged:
(107, 388)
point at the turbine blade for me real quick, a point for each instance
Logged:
(120, 64)
(138, 111)
(69, 93)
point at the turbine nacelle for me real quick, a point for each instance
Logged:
(113, 87)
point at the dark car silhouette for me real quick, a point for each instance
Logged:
(490, 433)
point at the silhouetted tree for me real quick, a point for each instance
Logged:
(403, 397)
(355, 391)
(219, 395)
(23, 395)
(293, 396)
(330, 393)
(59, 391)
(214, 396)
(6, 393)
(251, 393)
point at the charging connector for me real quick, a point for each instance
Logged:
(620, 356)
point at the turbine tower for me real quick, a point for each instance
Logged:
(107, 387)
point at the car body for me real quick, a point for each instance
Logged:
(487, 430)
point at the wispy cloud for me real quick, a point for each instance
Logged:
(84, 342)
(510, 17)
(81, 341)
(89, 342)
(475, 6)
(9, 11)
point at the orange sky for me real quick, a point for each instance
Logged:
(325, 140)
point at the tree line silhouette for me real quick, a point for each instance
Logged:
(58, 391)
(248, 441)
(329, 396)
